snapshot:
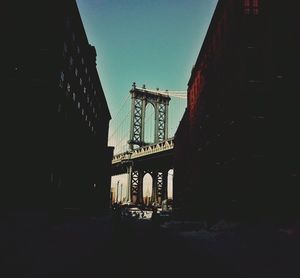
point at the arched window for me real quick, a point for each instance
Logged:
(170, 184)
(147, 188)
(150, 123)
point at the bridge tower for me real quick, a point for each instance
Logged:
(140, 97)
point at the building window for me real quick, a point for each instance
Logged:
(68, 87)
(84, 90)
(85, 70)
(82, 60)
(247, 6)
(255, 7)
(71, 61)
(80, 81)
(76, 71)
(251, 7)
(94, 92)
(78, 105)
(82, 112)
(74, 96)
(78, 49)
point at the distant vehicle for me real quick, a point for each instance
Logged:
(134, 212)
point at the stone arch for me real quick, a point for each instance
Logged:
(149, 129)
(170, 183)
(147, 187)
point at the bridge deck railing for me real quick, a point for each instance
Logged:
(145, 150)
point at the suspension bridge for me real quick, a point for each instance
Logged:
(142, 133)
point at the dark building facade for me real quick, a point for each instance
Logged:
(57, 116)
(237, 146)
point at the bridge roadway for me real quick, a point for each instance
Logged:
(149, 157)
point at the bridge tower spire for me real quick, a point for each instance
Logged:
(140, 97)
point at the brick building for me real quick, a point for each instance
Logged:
(56, 128)
(237, 146)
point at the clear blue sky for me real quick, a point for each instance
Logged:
(152, 42)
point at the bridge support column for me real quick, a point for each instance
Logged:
(160, 186)
(156, 122)
(164, 191)
(136, 186)
(154, 188)
(129, 182)
(140, 188)
(143, 118)
(160, 179)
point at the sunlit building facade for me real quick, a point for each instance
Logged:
(58, 125)
(237, 146)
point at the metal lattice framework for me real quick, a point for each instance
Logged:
(135, 184)
(162, 130)
(139, 149)
(159, 184)
(137, 120)
(140, 97)
(136, 174)
(159, 189)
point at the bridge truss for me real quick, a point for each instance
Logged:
(141, 157)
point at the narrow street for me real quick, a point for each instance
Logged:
(100, 246)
